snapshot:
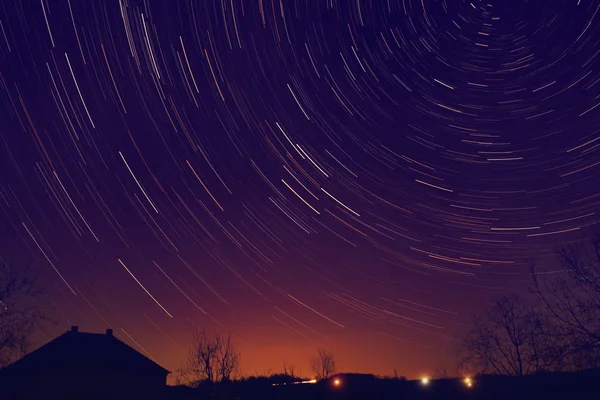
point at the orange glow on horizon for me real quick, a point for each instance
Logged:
(263, 354)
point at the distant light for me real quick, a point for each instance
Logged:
(337, 382)
(468, 381)
(302, 382)
(425, 380)
(294, 383)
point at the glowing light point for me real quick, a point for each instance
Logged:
(468, 381)
(425, 381)
(337, 382)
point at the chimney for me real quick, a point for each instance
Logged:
(74, 329)
(109, 332)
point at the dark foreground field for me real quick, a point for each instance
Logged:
(582, 385)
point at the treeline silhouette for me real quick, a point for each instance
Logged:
(556, 328)
(545, 343)
(561, 385)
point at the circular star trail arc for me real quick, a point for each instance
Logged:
(352, 174)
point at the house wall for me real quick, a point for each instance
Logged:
(87, 382)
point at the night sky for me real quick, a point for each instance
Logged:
(360, 175)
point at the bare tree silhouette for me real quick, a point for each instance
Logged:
(288, 369)
(20, 312)
(323, 364)
(508, 339)
(572, 300)
(212, 358)
(398, 377)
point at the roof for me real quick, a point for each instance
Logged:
(87, 351)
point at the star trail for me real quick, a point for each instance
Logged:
(359, 175)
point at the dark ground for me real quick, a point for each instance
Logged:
(581, 385)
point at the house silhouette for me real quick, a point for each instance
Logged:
(83, 366)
